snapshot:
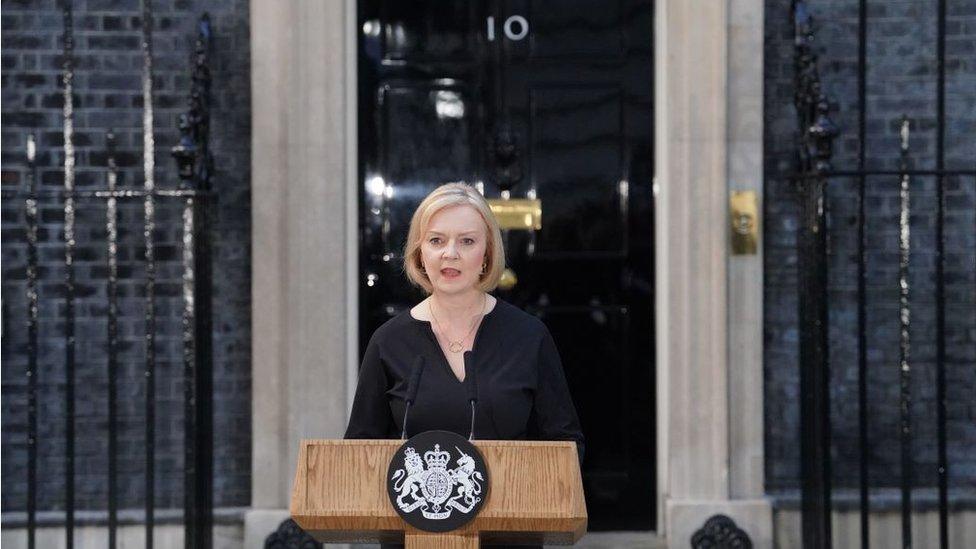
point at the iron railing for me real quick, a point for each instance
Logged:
(195, 163)
(816, 132)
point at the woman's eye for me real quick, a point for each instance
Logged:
(469, 241)
(434, 240)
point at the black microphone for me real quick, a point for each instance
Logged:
(471, 377)
(412, 387)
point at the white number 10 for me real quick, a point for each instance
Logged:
(508, 27)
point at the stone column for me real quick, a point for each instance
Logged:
(745, 272)
(708, 110)
(304, 251)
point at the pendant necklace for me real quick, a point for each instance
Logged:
(458, 346)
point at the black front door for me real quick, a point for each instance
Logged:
(543, 100)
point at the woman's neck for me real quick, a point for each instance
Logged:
(453, 307)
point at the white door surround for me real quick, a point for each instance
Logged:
(708, 141)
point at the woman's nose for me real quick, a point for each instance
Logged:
(450, 250)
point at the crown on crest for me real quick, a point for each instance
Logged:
(409, 453)
(437, 458)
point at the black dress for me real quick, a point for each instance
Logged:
(522, 391)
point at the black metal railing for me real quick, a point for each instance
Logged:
(816, 132)
(196, 198)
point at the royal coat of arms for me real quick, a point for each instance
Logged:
(436, 490)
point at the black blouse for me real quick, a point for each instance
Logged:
(522, 391)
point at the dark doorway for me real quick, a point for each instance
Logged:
(541, 100)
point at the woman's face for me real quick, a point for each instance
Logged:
(453, 249)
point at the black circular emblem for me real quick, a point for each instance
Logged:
(437, 481)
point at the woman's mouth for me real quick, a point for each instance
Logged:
(450, 273)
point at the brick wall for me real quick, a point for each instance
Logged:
(107, 83)
(901, 80)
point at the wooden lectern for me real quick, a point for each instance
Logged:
(536, 495)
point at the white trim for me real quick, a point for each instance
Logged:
(352, 206)
(744, 141)
(707, 418)
(661, 258)
(301, 211)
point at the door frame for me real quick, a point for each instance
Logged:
(708, 120)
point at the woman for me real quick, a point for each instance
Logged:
(454, 252)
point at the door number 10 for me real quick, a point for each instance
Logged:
(515, 27)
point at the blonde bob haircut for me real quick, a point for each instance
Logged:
(445, 196)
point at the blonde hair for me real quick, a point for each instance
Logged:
(453, 194)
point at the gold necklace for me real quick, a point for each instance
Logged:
(457, 346)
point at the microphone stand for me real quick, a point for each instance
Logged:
(412, 387)
(471, 377)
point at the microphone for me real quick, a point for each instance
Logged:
(471, 377)
(412, 387)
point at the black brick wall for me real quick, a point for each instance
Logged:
(107, 84)
(901, 80)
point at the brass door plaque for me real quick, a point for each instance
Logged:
(744, 216)
(517, 213)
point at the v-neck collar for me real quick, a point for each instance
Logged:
(440, 351)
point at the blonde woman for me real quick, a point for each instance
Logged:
(454, 252)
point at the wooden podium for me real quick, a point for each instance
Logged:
(536, 495)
